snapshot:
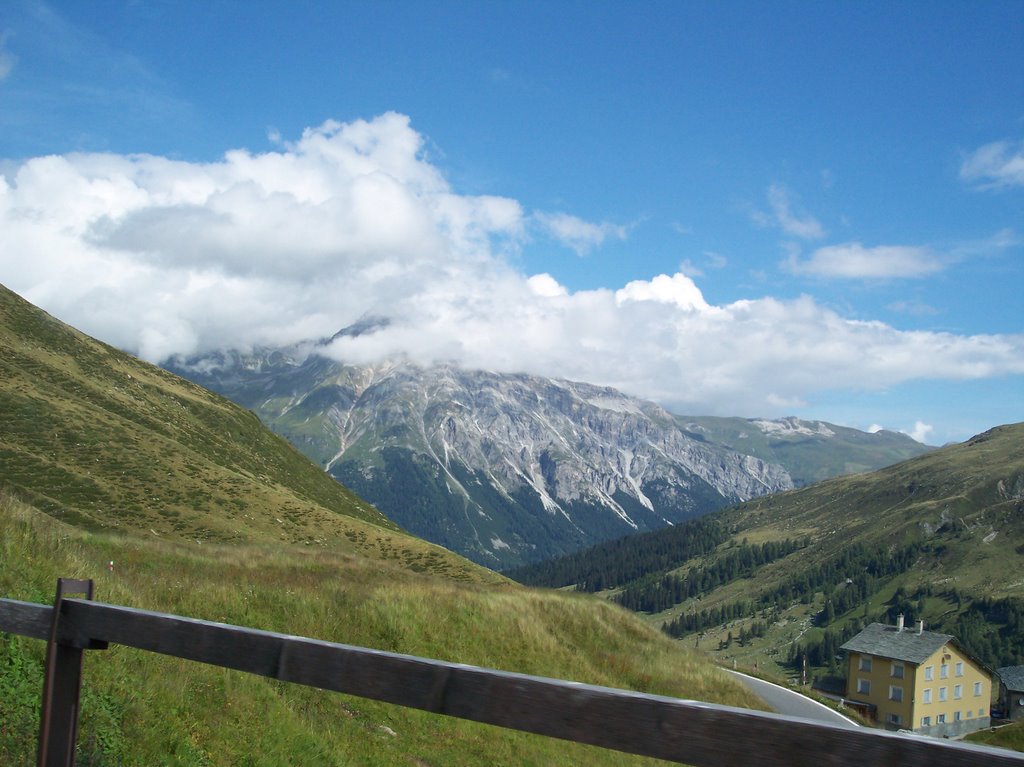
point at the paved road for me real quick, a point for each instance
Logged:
(785, 701)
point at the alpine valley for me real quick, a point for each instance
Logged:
(511, 469)
(173, 499)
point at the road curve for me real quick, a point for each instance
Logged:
(790, 703)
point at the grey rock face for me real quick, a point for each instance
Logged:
(502, 468)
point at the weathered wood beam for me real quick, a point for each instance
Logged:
(650, 725)
(25, 618)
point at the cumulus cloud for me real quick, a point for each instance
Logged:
(995, 166)
(787, 215)
(853, 261)
(352, 220)
(577, 234)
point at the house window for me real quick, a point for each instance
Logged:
(981, 712)
(944, 671)
(896, 694)
(977, 689)
(926, 721)
(863, 687)
(969, 713)
(927, 695)
(956, 716)
(895, 719)
(929, 673)
(959, 668)
(942, 694)
(865, 663)
(897, 671)
(940, 719)
(958, 690)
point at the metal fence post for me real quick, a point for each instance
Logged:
(58, 722)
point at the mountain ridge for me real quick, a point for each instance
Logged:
(509, 466)
(506, 468)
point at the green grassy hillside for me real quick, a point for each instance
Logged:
(973, 493)
(103, 441)
(938, 538)
(144, 709)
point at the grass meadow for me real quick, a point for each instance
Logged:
(143, 709)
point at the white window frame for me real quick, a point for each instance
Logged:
(929, 673)
(926, 696)
(895, 693)
(940, 719)
(895, 719)
(863, 686)
(959, 669)
(865, 663)
(926, 721)
(944, 671)
(956, 716)
(942, 694)
(977, 689)
(958, 691)
(896, 669)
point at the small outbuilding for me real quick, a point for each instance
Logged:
(1011, 692)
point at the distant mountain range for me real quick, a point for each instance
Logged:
(510, 469)
(810, 450)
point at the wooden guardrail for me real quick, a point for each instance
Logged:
(676, 730)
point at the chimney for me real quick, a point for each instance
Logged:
(899, 623)
(920, 628)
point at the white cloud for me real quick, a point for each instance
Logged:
(920, 431)
(545, 285)
(159, 257)
(854, 261)
(678, 290)
(577, 234)
(995, 166)
(786, 215)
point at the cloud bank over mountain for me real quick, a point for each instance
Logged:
(162, 256)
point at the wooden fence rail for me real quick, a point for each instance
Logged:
(649, 725)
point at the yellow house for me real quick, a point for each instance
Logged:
(912, 679)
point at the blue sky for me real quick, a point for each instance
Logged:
(753, 209)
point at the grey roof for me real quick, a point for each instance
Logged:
(1012, 677)
(907, 645)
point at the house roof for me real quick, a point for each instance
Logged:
(888, 642)
(1012, 677)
